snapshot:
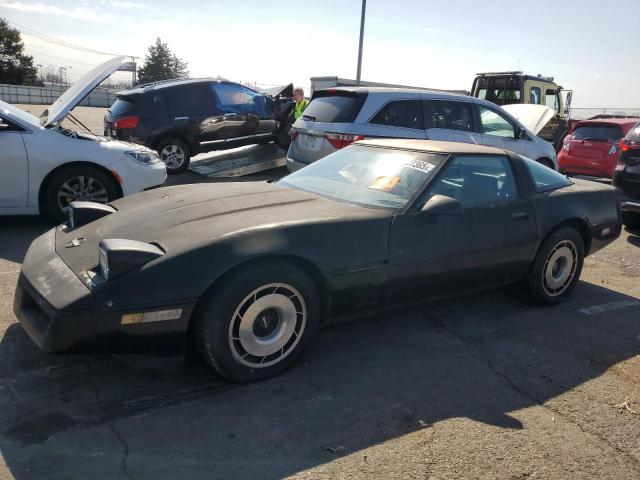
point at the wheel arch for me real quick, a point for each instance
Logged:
(579, 224)
(47, 179)
(309, 267)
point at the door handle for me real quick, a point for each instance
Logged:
(520, 216)
(178, 119)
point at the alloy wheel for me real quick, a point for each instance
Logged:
(173, 156)
(81, 188)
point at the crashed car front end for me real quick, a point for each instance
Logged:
(60, 310)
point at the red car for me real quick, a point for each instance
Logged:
(592, 146)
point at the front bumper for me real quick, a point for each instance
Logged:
(60, 313)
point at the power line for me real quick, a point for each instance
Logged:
(57, 41)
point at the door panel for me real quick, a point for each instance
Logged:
(193, 111)
(14, 180)
(489, 244)
(500, 132)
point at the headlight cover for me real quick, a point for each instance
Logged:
(118, 256)
(145, 158)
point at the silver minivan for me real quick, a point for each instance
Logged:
(337, 117)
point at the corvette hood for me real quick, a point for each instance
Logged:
(80, 89)
(534, 117)
(187, 217)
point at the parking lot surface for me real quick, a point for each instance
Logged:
(481, 386)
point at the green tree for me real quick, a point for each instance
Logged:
(161, 64)
(15, 67)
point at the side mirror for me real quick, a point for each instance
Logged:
(442, 205)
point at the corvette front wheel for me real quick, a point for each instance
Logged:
(259, 321)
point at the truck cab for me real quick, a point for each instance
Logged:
(504, 88)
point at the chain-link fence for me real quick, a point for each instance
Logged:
(583, 113)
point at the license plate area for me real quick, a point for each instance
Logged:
(309, 142)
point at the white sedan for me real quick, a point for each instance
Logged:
(45, 166)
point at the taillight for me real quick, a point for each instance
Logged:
(341, 140)
(130, 121)
(631, 158)
(625, 146)
(293, 134)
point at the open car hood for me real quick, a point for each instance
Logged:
(284, 90)
(76, 92)
(534, 117)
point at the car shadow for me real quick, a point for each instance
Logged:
(17, 233)
(362, 383)
(634, 236)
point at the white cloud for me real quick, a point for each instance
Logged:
(73, 13)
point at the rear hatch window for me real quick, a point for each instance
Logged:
(598, 133)
(334, 106)
(122, 105)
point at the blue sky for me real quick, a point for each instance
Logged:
(590, 46)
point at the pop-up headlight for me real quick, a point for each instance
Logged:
(81, 213)
(117, 256)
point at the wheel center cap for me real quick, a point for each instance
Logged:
(266, 323)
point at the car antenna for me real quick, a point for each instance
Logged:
(75, 121)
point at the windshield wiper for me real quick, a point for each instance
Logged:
(309, 117)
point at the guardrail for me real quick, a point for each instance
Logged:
(99, 97)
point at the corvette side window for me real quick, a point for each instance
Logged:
(476, 180)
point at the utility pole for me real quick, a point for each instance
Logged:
(133, 71)
(364, 8)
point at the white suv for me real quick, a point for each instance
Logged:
(45, 166)
(338, 116)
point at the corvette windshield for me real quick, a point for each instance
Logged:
(367, 175)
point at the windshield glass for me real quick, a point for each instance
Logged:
(368, 176)
(19, 114)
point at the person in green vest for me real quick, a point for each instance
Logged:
(301, 103)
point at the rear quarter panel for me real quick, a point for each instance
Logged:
(590, 204)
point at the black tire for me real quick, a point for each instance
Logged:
(538, 287)
(175, 154)
(221, 337)
(100, 188)
(631, 219)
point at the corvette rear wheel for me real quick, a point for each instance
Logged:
(556, 268)
(258, 321)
